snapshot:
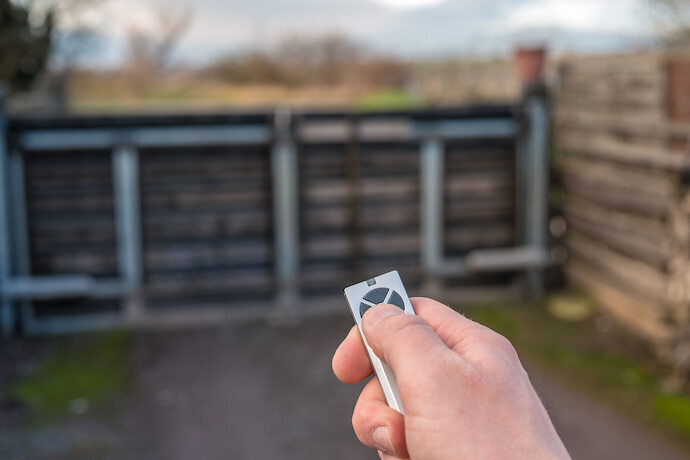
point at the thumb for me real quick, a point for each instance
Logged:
(407, 343)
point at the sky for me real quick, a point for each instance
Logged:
(409, 28)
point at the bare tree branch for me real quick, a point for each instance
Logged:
(672, 18)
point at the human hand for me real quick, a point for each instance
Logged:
(464, 391)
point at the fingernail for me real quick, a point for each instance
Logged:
(382, 441)
(378, 313)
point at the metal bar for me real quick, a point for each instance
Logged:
(20, 235)
(536, 185)
(63, 287)
(6, 308)
(128, 226)
(432, 187)
(172, 136)
(505, 259)
(285, 213)
(467, 129)
(520, 175)
(69, 324)
(181, 136)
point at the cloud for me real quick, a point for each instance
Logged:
(409, 4)
(435, 27)
(575, 15)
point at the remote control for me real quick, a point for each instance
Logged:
(387, 288)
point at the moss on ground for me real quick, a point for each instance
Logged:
(634, 382)
(79, 374)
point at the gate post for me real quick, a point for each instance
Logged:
(536, 181)
(431, 217)
(285, 214)
(128, 228)
(6, 308)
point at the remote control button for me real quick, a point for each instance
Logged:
(396, 300)
(363, 307)
(376, 296)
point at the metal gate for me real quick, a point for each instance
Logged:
(167, 220)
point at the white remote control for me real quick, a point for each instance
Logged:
(389, 289)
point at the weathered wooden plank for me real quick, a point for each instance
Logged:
(201, 283)
(607, 97)
(656, 182)
(606, 65)
(479, 183)
(78, 205)
(631, 124)
(646, 280)
(641, 317)
(205, 224)
(650, 228)
(339, 245)
(207, 199)
(76, 261)
(466, 237)
(616, 196)
(622, 239)
(207, 255)
(400, 214)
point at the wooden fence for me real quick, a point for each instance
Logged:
(151, 220)
(621, 129)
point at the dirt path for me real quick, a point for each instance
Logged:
(592, 429)
(261, 392)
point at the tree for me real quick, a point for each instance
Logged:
(150, 46)
(25, 46)
(672, 17)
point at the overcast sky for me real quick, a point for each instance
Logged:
(405, 27)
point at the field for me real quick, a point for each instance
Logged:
(429, 83)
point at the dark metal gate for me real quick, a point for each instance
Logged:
(165, 220)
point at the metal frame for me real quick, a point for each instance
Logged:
(531, 189)
(169, 136)
(17, 286)
(6, 307)
(285, 212)
(535, 177)
(128, 227)
(431, 172)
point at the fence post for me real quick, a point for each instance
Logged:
(285, 214)
(431, 205)
(536, 180)
(6, 308)
(20, 234)
(128, 227)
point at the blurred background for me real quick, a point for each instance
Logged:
(186, 188)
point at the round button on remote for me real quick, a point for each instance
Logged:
(377, 296)
(396, 300)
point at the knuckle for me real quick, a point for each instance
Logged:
(504, 345)
(498, 343)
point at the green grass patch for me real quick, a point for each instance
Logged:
(632, 382)
(389, 99)
(79, 374)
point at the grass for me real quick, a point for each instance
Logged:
(388, 99)
(572, 350)
(79, 374)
